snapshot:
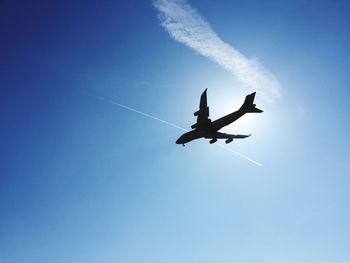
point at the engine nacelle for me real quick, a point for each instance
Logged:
(194, 126)
(204, 110)
(212, 141)
(228, 140)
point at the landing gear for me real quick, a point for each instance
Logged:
(183, 145)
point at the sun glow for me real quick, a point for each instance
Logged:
(223, 103)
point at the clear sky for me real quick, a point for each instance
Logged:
(83, 180)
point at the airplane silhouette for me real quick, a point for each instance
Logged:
(208, 129)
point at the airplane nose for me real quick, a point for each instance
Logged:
(180, 140)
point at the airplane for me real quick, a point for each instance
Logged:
(205, 128)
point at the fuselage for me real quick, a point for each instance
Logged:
(189, 136)
(208, 131)
(226, 120)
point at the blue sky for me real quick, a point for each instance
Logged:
(82, 180)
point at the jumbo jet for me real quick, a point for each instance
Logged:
(205, 128)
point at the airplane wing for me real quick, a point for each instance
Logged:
(203, 112)
(229, 137)
(220, 135)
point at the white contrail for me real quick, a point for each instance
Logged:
(239, 154)
(142, 113)
(186, 25)
(175, 126)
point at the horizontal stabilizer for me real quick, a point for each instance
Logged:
(248, 105)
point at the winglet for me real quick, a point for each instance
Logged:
(203, 104)
(203, 101)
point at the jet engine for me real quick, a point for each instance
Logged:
(204, 110)
(228, 140)
(194, 126)
(212, 141)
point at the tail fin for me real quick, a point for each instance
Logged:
(248, 105)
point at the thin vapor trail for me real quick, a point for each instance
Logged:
(142, 113)
(239, 154)
(175, 126)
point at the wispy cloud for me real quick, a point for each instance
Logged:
(186, 25)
